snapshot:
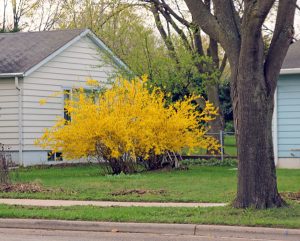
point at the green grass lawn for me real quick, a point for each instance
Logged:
(230, 146)
(282, 217)
(198, 184)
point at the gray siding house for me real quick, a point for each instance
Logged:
(37, 65)
(286, 119)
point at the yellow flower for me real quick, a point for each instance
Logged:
(42, 101)
(128, 120)
(92, 82)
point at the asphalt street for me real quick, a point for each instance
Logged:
(9, 234)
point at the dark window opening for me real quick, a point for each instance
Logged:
(55, 156)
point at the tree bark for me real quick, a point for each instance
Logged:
(253, 83)
(216, 125)
(212, 87)
(257, 185)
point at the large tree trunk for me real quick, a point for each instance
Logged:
(257, 185)
(254, 70)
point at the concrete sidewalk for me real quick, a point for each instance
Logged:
(213, 231)
(65, 203)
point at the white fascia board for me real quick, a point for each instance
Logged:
(10, 75)
(103, 46)
(290, 71)
(57, 52)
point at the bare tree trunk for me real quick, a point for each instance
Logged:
(257, 185)
(212, 87)
(213, 96)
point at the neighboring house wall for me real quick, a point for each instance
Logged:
(9, 115)
(288, 121)
(71, 68)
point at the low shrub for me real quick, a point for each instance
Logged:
(211, 162)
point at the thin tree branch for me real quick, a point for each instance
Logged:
(163, 34)
(180, 32)
(223, 64)
(170, 10)
(198, 41)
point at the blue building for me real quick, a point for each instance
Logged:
(286, 119)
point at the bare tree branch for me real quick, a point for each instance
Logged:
(170, 10)
(163, 33)
(228, 34)
(223, 64)
(198, 41)
(282, 38)
(180, 32)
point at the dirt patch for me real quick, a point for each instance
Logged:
(31, 188)
(23, 188)
(291, 195)
(138, 192)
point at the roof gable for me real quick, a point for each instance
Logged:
(292, 59)
(23, 53)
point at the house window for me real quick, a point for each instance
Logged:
(54, 156)
(68, 94)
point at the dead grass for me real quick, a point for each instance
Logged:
(23, 188)
(292, 195)
(138, 192)
(31, 187)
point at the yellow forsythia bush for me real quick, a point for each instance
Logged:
(126, 123)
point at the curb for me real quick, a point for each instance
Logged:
(155, 228)
(248, 232)
(179, 229)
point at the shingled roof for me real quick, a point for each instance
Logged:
(21, 51)
(292, 59)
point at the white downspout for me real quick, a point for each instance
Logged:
(20, 122)
(275, 126)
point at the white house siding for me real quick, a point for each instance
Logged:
(71, 68)
(9, 123)
(288, 121)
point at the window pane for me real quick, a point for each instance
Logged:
(67, 96)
